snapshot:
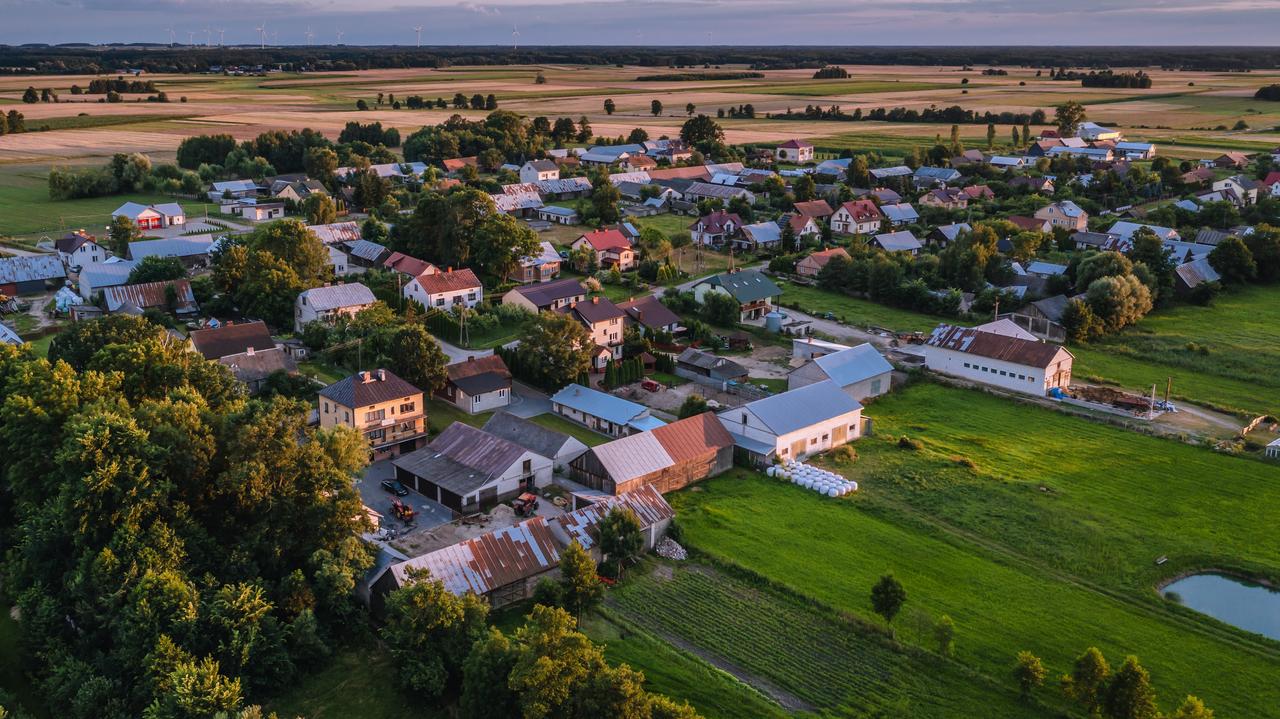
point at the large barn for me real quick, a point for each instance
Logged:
(667, 458)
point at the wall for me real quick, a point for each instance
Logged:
(756, 430)
(488, 401)
(952, 363)
(333, 414)
(469, 297)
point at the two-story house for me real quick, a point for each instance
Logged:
(1065, 214)
(546, 296)
(445, 290)
(611, 248)
(755, 293)
(604, 320)
(327, 304)
(542, 267)
(539, 171)
(857, 217)
(795, 151)
(79, 248)
(387, 410)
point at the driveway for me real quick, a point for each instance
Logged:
(528, 402)
(460, 354)
(430, 513)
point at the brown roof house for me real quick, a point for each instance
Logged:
(810, 266)
(650, 315)
(445, 290)
(165, 295)
(611, 248)
(387, 410)
(468, 469)
(477, 384)
(246, 348)
(1012, 362)
(666, 459)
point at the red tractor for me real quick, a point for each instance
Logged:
(525, 505)
(403, 512)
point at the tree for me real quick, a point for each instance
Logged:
(955, 147)
(944, 632)
(1118, 301)
(155, 268)
(416, 357)
(1264, 246)
(30, 96)
(858, 174)
(500, 241)
(1149, 250)
(609, 107)
(720, 309)
(362, 105)
(1088, 680)
(1068, 117)
(689, 108)
(580, 585)
(120, 233)
(604, 202)
(429, 631)
(1129, 694)
(1102, 264)
(655, 107)
(319, 209)
(805, 188)
(692, 405)
(320, 163)
(485, 694)
(1028, 672)
(1192, 708)
(558, 346)
(887, 597)
(1015, 138)
(1233, 260)
(701, 130)
(77, 344)
(1079, 321)
(620, 536)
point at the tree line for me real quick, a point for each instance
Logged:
(952, 114)
(1106, 78)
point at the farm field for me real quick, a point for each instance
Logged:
(1046, 544)
(853, 310)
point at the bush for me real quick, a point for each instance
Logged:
(547, 593)
(966, 462)
(845, 453)
(905, 442)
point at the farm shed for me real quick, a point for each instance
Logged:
(1014, 363)
(795, 423)
(707, 368)
(860, 371)
(25, 275)
(502, 566)
(466, 468)
(149, 295)
(559, 447)
(603, 412)
(667, 458)
(581, 525)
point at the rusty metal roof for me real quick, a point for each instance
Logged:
(490, 561)
(580, 525)
(693, 437)
(970, 340)
(149, 294)
(632, 456)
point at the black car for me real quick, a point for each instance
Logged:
(394, 487)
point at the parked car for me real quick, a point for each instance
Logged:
(393, 486)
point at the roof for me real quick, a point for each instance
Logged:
(558, 210)
(799, 408)
(706, 189)
(133, 209)
(365, 388)
(230, 339)
(1016, 350)
(99, 274)
(715, 221)
(1124, 230)
(530, 435)
(545, 293)
(457, 163)
(335, 297)
(820, 258)
(650, 312)
(148, 294)
(895, 171)
(632, 456)
(813, 208)
(412, 266)
(542, 165)
(489, 561)
(1027, 223)
(900, 212)
(435, 283)
(1045, 268)
(902, 241)
(745, 285)
(477, 375)
(795, 144)
(693, 437)
(336, 232)
(1197, 271)
(705, 360)
(854, 365)
(258, 366)
(72, 241)
(598, 404)
(235, 186)
(1052, 307)
(646, 502)
(596, 310)
(366, 250)
(937, 173)
(8, 336)
(951, 232)
(1068, 208)
(172, 247)
(473, 448)
(603, 240)
(765, 233)
(862, 210)
(30, 269)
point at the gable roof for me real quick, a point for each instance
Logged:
(336, 232)
(545, 293)
(702, 359)
(971, 340)
(335, 297)
(799, 408)
(632, 456)
(435, 283)
(477, 375)
(766, 233)
(716, 221)
(230, 339)
(72, 241)
(542, 165)
(900, 212)
(813, 208)
(492, 560)
(902, 241)
(366, 250)
(646, 502)
(795, 144)
(693, 437)
(171, 247)
(598, 404)
(365, 388)
(862, 210)
(853, 365)
(595, 310)
(745, 285)
(530, 435)
(1052, 307)
(820, 258)
(649, 311)
(951, 232)
(148, 294)
(605, 240)
(30, 268)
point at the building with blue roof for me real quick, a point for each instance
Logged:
(795, 424)
(860, 371)
(603, 412)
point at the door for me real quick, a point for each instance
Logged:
(797, 448)
(839, 435)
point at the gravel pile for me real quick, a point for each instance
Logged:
(668, 549)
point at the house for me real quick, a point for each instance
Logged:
(968, 157)
(754, 292)
(1245, 189)
(837, 167)
(927, 176)
(604, 321)
(602, 412)
(152, 217)
(1190, 275)
(1123, 231)
(32, 274)
(582, 524)
(857, 217)
(759, 235)
(543, 267)
(337, 233)
(660, 460)
(707, 368)
(547, 296)
(1008, 162)
(151, 295)
(1271, 184)
(817, 209)
(947, 198)
(559, 215)
(477, 384)
(364, 253)
(801, 226)
(93, 278)
(797, 152)
(456, 165)
(234, 189)
(1065, 214)
(611, 249)
(79, 248)
(326, 304)
(247, 348)
(944, 235)
(467, 469)
(297, 190)
(650, 315)
(1094, 240)
(1135, 150)
(446, 290)
(900, 214)
(860, 372)
(9, 337)
(708, 191)
(1030, 224)
(388, 411)
(502, 566)
(715, 228)
(794, 424)
(191, 251)
(408, 266)
(1272, 450)
(884, 196)
(884, 173)
(811, 265)
(560, 448)
(1041, 185)
(539, 171)
(1198, 176)
(978, 192)
(1010, 362)
(518, 204)
(1093, 132)
(1232, 160)
(1045, 269)
(902, 241)
(1040, 148)
(638, 162)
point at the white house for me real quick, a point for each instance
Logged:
(857, 217)
(1010, 362)
(603, 412)
(795, 151)
(465, 468)
(539, 171)
(327, 304)
(1093, 132)
(78, 249)
(477, 384)
(444, 290)
(796, 423)
(1065, 214)
(152, 217)
(901, 241)
(860, 371)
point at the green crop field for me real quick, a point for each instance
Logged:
(1047, 543)
(25, 207)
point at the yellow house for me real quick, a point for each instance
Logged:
(387, 410)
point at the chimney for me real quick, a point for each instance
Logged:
(471, 358)
(595, 300)
(363, 377)
(382, 375)
(250, 351)
(449, 271)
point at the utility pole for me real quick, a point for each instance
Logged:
(1168, 388)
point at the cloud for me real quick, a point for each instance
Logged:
(480, 9)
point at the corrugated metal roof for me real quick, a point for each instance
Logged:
(148, 294)
(1197, 271)
(489, 561)
(172, 247)
(854, 365)
(533, 437)
(693, 437)
(518, 201)
(971, 340)
(366, 250)
(336, 232)
(902, 241)
(646, 502)
(29, 269)
(598, 404)
(475, 448)
(633, 456)
(335, 297)
(799, 408)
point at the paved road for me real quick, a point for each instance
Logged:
(430, 513)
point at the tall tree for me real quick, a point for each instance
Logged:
(319, 209)
(620, 536)
(887, 597)
(991, 135)
(1029, 672)
(430, 631)
(1233, 260)
(1068, 117)
(120, 233)
(416, 357)
(609, 107)
(558, 346)
(580, 586)
(1129, 694)
(1087, 680)
(655, 107)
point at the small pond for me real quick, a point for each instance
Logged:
(1251, 607)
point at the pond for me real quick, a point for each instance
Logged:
(1251, 607)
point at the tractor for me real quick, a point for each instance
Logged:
(525, 505)
(403, 512)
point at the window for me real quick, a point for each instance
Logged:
(378, 434)
(1003, 373)
(744, 417)
(813, 440)
(326, 408)
(375, 415)
(347, 418)
(502, 393)
(527, 467)
(826, 437)
(471, 297)
(407, 408)
(475, 399)
(966, 365)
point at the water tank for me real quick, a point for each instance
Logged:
(773, 322)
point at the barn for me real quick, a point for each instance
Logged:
(667, 458)
(467, 469)
(646, 503)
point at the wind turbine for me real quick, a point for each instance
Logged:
(222, 36)
(340, 34)
(275, 37)
(262, 34)
(191, 37)
(309, 35)
(418, 29)
(515, 38)
(208, 36)
(171, 40)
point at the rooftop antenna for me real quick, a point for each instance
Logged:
(418, 30)
(262, 34)
(515, 38)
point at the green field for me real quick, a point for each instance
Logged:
(25, 207)
(1046, 544)
(358, 682)
(854, 311)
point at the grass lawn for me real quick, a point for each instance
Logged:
(442, 414)
(1046, 544)
(358, 682)
(773, 384)
(322, 371)
(560, 424)
(669, 380)
(854, 311)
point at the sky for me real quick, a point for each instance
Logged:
(650, 22)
